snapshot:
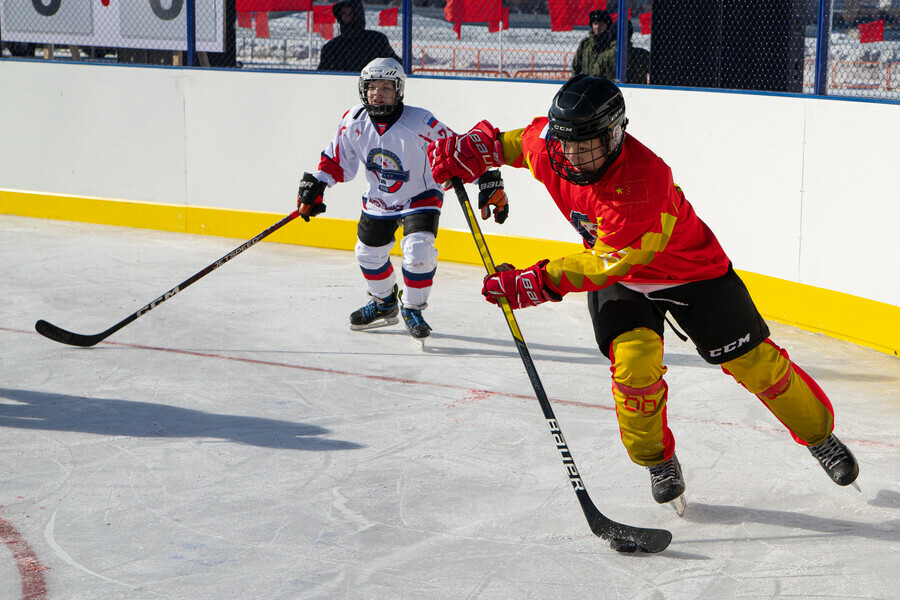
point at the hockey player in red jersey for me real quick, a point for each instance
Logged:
(389, 139)
(647, 253)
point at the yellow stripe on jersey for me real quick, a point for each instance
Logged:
(654, 241)
(596, 268)
(511, 142)
(667, 223)
(604, 262)
(601, 248)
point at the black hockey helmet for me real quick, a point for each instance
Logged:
(586, 109)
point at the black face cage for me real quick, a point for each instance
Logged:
(377, 110)
(611, 142)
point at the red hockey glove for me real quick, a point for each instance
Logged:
(522, 288)
(491, 196)
(309, 197)
(466, 156)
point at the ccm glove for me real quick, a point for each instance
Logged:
(492, 197)
(309, 197)
(466, 156)
(521, 288)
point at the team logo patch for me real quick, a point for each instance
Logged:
(586, 228)
(387, 166)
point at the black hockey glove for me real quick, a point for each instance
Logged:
(492, 197)
(309, 197)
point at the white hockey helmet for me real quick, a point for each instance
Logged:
(387, 69)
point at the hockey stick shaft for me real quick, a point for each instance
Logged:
(58, 334)
(648, 540)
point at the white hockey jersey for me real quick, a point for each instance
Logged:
(397, 169)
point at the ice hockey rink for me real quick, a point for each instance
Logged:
(240, 442)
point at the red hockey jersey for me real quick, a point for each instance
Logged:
(636, 223)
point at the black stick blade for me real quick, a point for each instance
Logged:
(650, 541)
(628, 538)
(57, 334)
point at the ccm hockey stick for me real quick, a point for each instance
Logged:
(58, 334)
(623, 538)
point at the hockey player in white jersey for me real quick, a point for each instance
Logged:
(389, 139)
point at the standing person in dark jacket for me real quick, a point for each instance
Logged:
(638, 69)
(592, 57)
(356, 46)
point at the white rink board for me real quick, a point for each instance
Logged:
(795, 188)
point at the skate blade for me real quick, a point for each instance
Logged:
(376, 324)
(418, 341)
(856, 485)
(679, 504)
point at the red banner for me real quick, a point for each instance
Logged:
(565, 15)
(262, 24)
(472, 11)
(269, 5)
(322, 14)
(871, 32)
(645, 20)
(388, 17)
(323, 21)
(495, 26)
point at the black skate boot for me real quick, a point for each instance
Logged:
(417, 326)
(837, 460)
(666, 481)
(379, 312)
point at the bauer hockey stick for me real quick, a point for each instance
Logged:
(58, 334)
(624, 538)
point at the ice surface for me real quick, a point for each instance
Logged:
(240, 442)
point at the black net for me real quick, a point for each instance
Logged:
(833, 47)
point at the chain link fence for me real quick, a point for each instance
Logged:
(829, 47)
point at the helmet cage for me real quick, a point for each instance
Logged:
(379, 110)
(382, 70)
(583, 173)
(597, 114)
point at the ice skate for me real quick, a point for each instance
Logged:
(667, 484)
(837, 460)
(679, 504)
(379, 312)
(418, 328)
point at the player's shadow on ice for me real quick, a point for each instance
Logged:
(886, 499)
(888, 531)
(103, 416)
